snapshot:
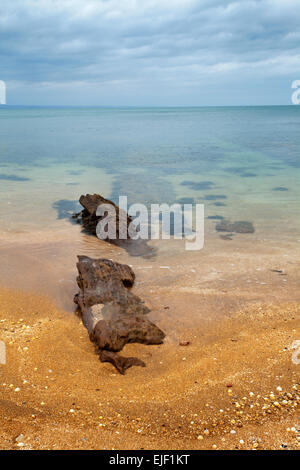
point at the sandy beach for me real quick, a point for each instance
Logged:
(234, 386)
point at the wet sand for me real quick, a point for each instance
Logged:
(233, 387)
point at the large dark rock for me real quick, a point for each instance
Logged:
(89, 220)
(112, 314)
(88, 217)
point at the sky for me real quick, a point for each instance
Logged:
(149, 52)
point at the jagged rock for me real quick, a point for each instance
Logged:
(89, 220)
(112, 314)
(237, 227)
(88, 216)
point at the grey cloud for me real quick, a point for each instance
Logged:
(73, 40)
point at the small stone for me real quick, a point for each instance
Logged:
(200, 437)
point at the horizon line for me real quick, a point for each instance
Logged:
(142, 106)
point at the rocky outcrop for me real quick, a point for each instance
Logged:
(88, 217)
(112, 314)
(89, 220)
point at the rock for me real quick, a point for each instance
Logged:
(112, 314)
(88, 217)
(237, 227)
(184, 343)
(89, 220)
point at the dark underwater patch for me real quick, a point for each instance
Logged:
(13, 178)
(214, 197)
(186, 200)
(280, 188)
(239, 226)
(215, 217)
(219, 204)
(65, 208)
(198, 186)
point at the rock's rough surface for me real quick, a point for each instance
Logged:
(88, 217)
(236, 227)
(112, 314)
(89, 220)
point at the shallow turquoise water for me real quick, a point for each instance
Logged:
(241, 162)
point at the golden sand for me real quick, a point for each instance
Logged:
(233, 387)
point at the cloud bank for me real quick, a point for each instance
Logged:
(149, 51)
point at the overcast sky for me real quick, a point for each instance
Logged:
(149, 52)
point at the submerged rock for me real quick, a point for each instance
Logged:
(237, 227)
(112, 314)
